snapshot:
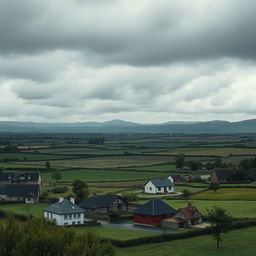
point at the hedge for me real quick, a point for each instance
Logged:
(176, 236)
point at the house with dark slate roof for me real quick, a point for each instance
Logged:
(101, 204)
(28, 193)
(65, 213)
(152, 213)
(20, 178)
(222, 175)
(175, 178)
(159, 186)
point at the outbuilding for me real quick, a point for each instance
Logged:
(152, 213)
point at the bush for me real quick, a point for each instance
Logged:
(59, 190)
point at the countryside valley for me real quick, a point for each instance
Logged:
(140, 193)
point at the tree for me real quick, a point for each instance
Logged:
(47, 165)
(186, 194)
(194, 165)
(180, 161)
(214, 186)
(220, 221)
(57, 176)
(129, 197)
(80, 189)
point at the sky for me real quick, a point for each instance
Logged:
(145, 61)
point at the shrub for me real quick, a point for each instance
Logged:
(59, 190)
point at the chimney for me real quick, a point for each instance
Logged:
(72, 200)
(61, 199)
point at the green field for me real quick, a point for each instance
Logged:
(26, 209)
(238, 209)
(210, 151)
(109, 162)
(235, 243)
(116, 233)
(32, 157)
(228, 194)
(161, 167)
(102, 175)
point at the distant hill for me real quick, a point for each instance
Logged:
(120, 126)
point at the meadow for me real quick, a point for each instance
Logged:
(235, 243)
(228, 194)
(101, 175)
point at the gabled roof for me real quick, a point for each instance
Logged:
(20, 190)
(101, 201)
(20, 176)
(161, 182)
(64, 207)
(191, 212)
(154, 207)
(224, 173)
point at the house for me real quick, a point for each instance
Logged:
(175, 178)
(28, 193)
(101, 204)
(194, 178)
(222, 175)
(159, 186)
(20, 178)
(152, 213)
(65, 213)
(190, 214)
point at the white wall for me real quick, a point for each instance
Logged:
(66, 219)
(150, 188)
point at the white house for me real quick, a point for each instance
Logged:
(65, 213)
(159, 186)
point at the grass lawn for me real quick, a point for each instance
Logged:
(161, 167)
(238, 209)
(101, 175)
(109, 162)
(227, 194)
(235, 243)
(26, 209)
(211, 151)
(116, 233)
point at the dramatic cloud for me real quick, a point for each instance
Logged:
(147, 61)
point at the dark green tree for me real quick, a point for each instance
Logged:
(47, 165)
(186, 194)
(57, 176)
(194, 165)
(180, 161)
(214, 186)
(129, 197)
(80, 189)
(220, 221)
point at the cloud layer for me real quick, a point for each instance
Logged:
(146, 61)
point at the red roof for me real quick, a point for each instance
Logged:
(191, 212)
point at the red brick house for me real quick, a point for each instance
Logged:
(152, 213)
(222, 175)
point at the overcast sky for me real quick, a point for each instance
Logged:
(146, 61)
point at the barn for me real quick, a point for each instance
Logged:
(152, 213)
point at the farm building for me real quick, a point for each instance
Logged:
(184, 218)
(28, 193)
(194, 178)
(176, 178)
(159, 186)
(65, 213)
(101, 204)
(152, 213)
(20, 178)
(222, 175)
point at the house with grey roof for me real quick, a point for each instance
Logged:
(20, 178)
(27, 193)
(65, 213)
(159, 186)
(101, 204)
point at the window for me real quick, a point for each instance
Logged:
(65, 216)
(170, 188)
(70, 216)
(79, 222)
(150, 188)
(78, 215)
(73, 223)
(159, 189)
